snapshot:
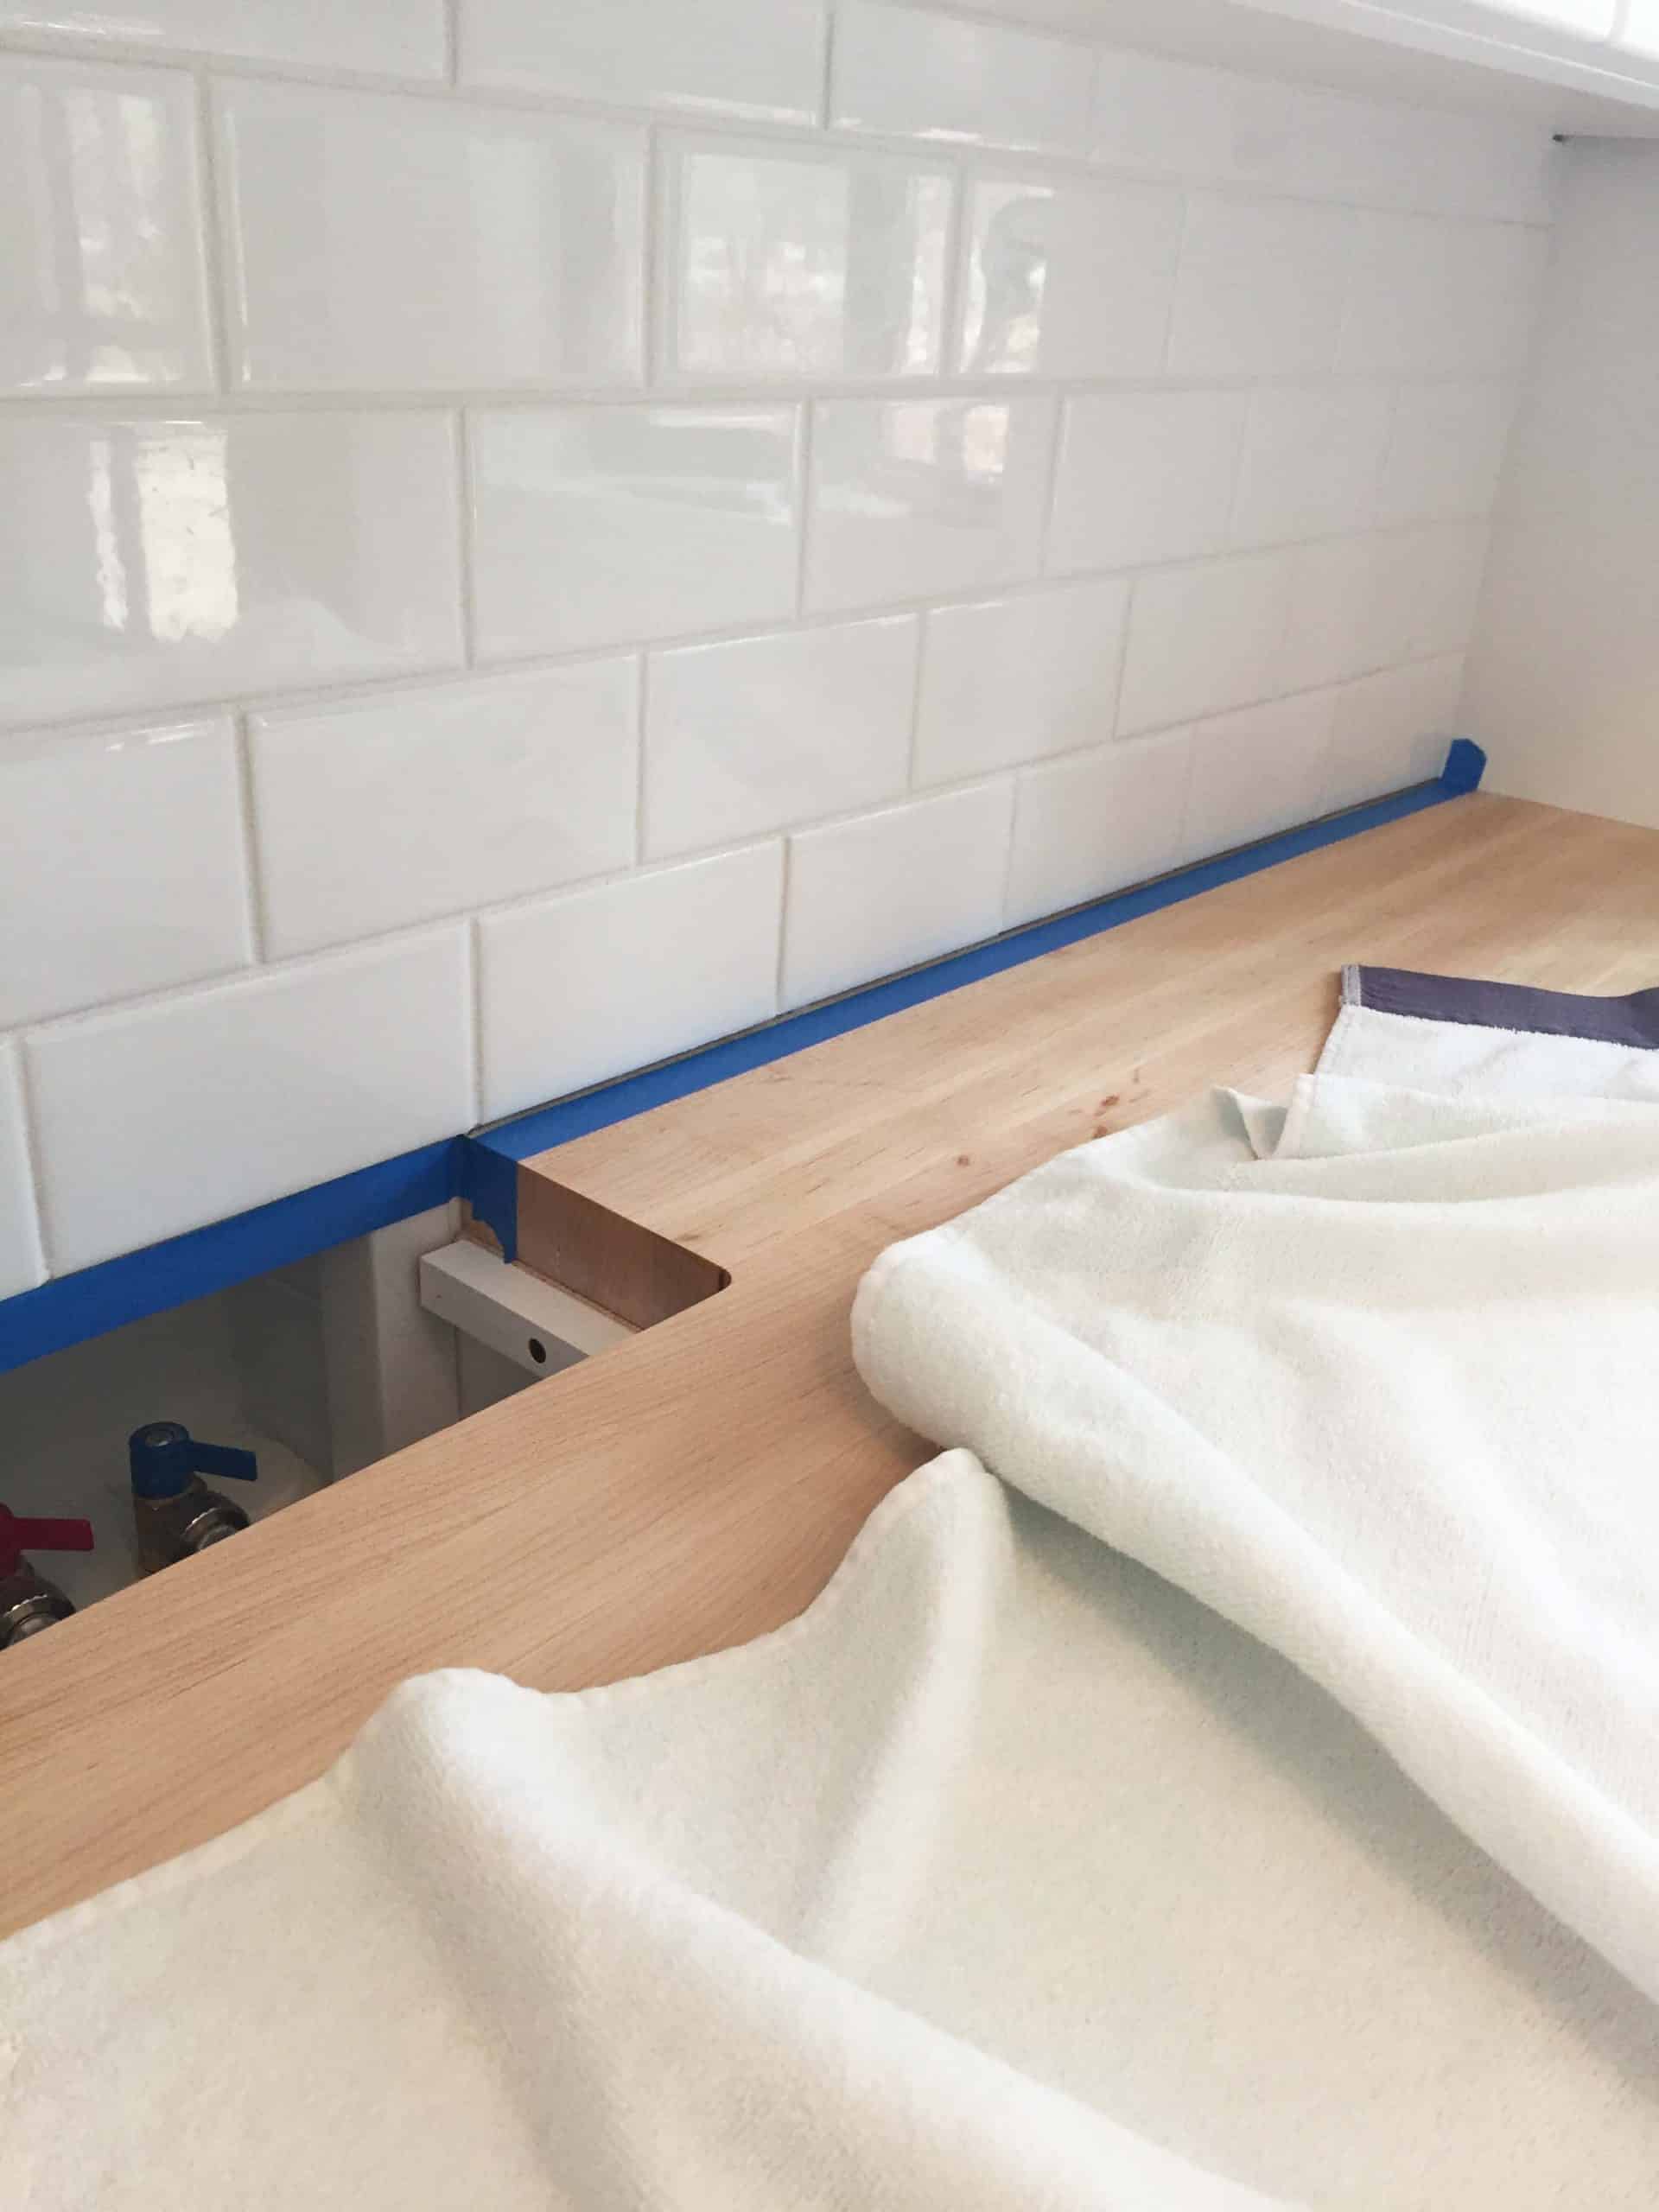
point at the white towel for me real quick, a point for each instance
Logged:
(1386, 1399)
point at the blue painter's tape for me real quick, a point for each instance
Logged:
(70, 1308)
(483, 1168)
(547, 1126)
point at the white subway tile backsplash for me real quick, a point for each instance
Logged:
(598, 525)
(1313, 455)
(756, 735)
(908, 72)
(1445, 451)
(121, 866)
(378, 242)
(101, 268)
(1203, 638)
(1392, 729)
(1174, 118)
(719, 56)
(583, 987)
(1092, 824)
(1008, 680)
(1068, 280)
(881, 892)
(1370, 602)
(1262, 288)
(155, 1119)
(394, 38)
(382, 812)
(910, 498)
(1144, 476)
(22, 1262)
(787, 263)
(1440, 296)
(1257, 771)
(150, 561)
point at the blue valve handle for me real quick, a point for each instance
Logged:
(164, 1457)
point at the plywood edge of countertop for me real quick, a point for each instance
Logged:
(699, 1484)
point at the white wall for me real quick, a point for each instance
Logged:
(1564, 681)
(528, 541)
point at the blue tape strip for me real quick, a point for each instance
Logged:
(483, 1168)
(71, 1308)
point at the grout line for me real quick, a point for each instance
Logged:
(472, 966)
(659, 253)
(452, 43)
(214, 212)
(253, 887)
(786, 869)
(827, 64)
(642, 708)
(32, 1123)
(804, 444)
(466, 577)
(917, 674)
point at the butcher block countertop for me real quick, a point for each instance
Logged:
(700, 1483)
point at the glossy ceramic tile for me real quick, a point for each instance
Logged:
(1175, 118)
(721, 56)
(786, 265)
(100, 250)
(1446, 450)
(121, 865)
(459, 796)
(1258, 772)
(868, 897)
(149, 562)
(1095, 823)
(1393, 729)
(21, 1265)
(913, 73)
(1436, 296)
(397, 38)
(590, 986)
(912, 497)
(1144, 476)
(245, 1091)
(754, 736)
(597, 525)
(1312, 461)
(1364, 603)
(1068, 280)
(1205, 638)
(388, 243)
(1261, 288)
(1006, 680)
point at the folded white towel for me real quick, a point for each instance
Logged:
(1385, 1399)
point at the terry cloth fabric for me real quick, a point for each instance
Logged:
(1456, 1034)
(1384, 1398)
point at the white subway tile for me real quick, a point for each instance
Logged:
(21, 1265)
(1203, 638)
(101, 247)
(578, 990)
(913, 73)
(1364, 603)
(1262, 288)
(868, 897)
(599, 526)
(121, 866)
(1068, 280)
(158, 1118)
(1312, 458)
(914, 497)
(1144, 476)
(754, 736)
(1392, 729)
(1447, 451)
(1093, 824)
(154, 562)
(1258, 772)
(392, 811)
(392, 38)
(719, 56)
(808, 263)
(1008, 680)
(383, 243)
(1433, 295)
(1174, 118)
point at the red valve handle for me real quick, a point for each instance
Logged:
(20, 1533)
